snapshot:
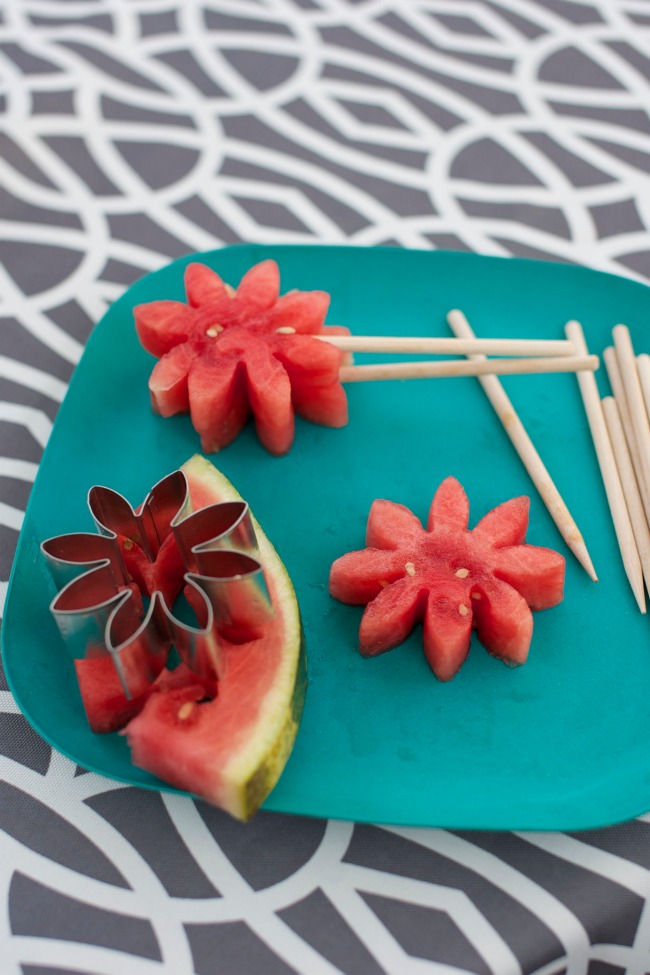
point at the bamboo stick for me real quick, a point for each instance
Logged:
(618, 388)
(628, 483)
(414, 345)
(643, 369)
(463, 367)
(634, 395)
(609, 471)
(528, 454)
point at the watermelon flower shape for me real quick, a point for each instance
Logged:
(450, 579)
(226, 354)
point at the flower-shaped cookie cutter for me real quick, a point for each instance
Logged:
(100, 611)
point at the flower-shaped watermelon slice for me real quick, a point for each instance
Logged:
(450, 579)
(226, 354)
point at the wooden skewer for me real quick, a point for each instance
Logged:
(618, 388)
(528, 454)
(629, 484)
(462, 367)
(634, 395)
(643, 368)
(609, 471)
(396, 345)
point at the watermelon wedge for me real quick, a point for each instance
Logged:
(228, 354)
(229, 749)
(450, 579)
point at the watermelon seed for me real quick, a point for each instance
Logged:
(214, 330)
(185, 710)
(462, 573)
(463, 610)
(410, 568)
(230, 291)
(383, 583)
(128, 544)
(476, 595)
(285, 330)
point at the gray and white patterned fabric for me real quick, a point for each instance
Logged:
(135, 131)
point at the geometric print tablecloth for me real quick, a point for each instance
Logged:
(135, 131)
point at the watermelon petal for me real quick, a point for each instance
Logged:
(334, 330)
(327, 405)
(536, 573)
(218, 402)
(389, 619)
(347, 358)
(269, 393)
(450, 507)
(506, 524)
(358, 577)
(303, 311)
(504, 622)
(203, 286)
(308, 360)
(447, 630)
(392, 525)
(168, 381)
(259, 288)
(163, 324)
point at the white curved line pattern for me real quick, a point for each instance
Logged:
(133, 132)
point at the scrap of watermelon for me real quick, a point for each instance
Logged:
(230, 747)
(107, 707)
(225, 740)
(450, 579)
(228, 354)
(102, 694)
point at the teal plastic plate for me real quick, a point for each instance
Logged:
(561, 743)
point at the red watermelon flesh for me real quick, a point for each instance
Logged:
(226, 354)
(106, 705)
(164, 574)
(229, 748)
(449, 578)
(227, 740)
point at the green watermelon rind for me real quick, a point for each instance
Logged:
(253, 771)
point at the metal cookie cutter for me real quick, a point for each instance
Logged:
(100, 612)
